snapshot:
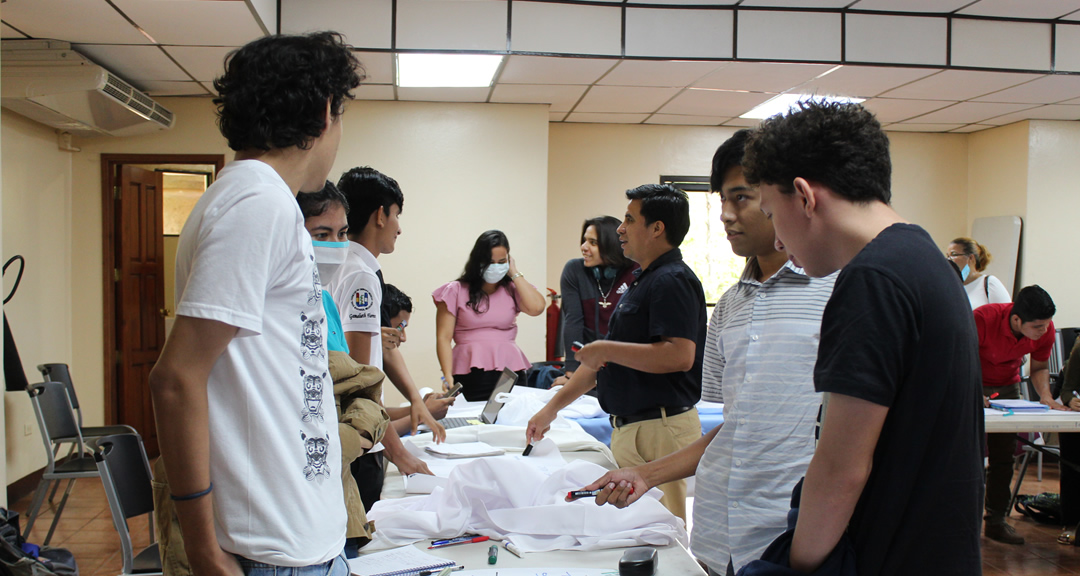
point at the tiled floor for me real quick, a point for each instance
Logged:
(86, 529)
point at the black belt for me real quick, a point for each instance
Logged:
(653, 414)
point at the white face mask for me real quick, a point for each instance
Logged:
(328, 256)
(495, 272)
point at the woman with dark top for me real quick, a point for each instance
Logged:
(1070, 450)
(592, 286)
(478, 312)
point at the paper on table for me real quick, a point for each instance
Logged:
(464, 449)
(397, 562)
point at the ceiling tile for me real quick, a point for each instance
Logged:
(159, 88)
(9, 32)
(202, 62)
(561, 98)
(553, 70)
(76, 21)
(911, 127)
(714, 103)
(1001, 44)
(927, 6)
(378, 67)
(896, 39)
(770, 35)
(1051, 112)
(1045, 90)
(969, 112)
(451, 25)
(863, 81)
(797, 3)
(556, 116)
(970, 128)
(1067, 48)
(187, 23)
(743, 122)
(606, 118)
(566, 28)
(444, 94)
(674, 119)
(1043, 9)
(686, 2)
(679, 33)
(209, 87)
(761, 76)
(657, 73)
(374, 92)
(1072, 17)
(134, 63)
(625, 99)
(364, 23)
(959, 85)
(894, 110)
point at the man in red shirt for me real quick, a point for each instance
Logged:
(1008, 332)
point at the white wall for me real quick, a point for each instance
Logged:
(37, 223)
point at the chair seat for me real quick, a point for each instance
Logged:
(99, 431)
(148, 561)
(85, 467)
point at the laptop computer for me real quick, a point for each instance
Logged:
(506, 382)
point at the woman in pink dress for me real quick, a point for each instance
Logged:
(478, 312)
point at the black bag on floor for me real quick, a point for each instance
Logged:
(1043, 508)
(15, 562)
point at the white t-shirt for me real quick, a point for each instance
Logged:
(986, 290)
(245, 259)
(356, 290)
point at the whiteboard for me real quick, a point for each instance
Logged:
(1001, 236)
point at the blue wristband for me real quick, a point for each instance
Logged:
(193, 495)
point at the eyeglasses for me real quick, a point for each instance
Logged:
(955, 255)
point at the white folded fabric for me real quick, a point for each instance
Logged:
(511, 500)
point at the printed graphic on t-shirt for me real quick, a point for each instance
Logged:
(312, 338)
(315, 296)
(313, 396)
(317, 467)
(361, 304)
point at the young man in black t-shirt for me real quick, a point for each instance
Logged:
(899, 462)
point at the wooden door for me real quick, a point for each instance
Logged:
(140, 296)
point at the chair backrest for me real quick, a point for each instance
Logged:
(125, 474)
(61, 373)
(54, 414)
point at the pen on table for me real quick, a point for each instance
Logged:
(461, 540)
(442, 572)
(493, 554)
(512, 549)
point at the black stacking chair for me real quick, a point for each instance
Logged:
(125, 473)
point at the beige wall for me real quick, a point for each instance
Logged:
(37, 222)
(997, 172)
(1053, 204)
(930, 181)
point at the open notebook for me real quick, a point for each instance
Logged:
(404, 561)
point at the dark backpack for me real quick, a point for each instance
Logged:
(1043, 508)
(15, 562)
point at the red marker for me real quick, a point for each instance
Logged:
(995, 395)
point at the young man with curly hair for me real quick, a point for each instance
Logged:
(242, 395)
(898, 467)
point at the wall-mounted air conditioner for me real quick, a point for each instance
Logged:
(47, 81)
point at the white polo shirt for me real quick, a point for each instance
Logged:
(358, 295)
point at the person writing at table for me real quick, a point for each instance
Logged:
(592, 285)
(478, 312)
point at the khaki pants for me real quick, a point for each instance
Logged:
(648, 440)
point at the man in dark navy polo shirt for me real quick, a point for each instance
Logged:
(648, 370)
(1007, 333)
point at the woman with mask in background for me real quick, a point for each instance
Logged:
(478, 312)
(972, 258)
(592, 286)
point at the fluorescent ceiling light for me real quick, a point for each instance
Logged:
(446, 70)
(784, 102)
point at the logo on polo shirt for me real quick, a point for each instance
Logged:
(622, 289)
(362, 300)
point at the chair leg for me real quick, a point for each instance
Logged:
(39, 499)
(59, 510)
(1039, 469)
(1019, 480)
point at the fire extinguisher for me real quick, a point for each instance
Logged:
(554, 328)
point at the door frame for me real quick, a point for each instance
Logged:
(110, 178)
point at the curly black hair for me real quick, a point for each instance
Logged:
(727, 156)
(840, 145)
(275, 89)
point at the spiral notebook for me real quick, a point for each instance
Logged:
(404, 561)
